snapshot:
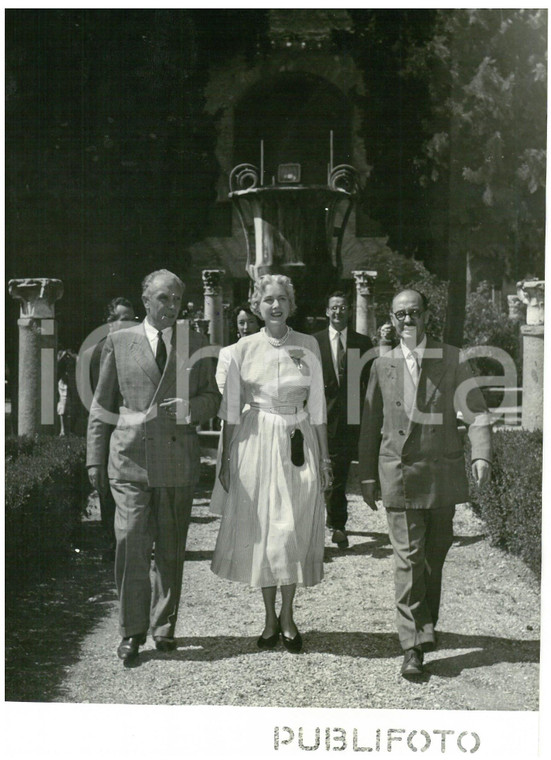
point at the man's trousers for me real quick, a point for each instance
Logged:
(421, 539)
(145, 517)
(342, 450)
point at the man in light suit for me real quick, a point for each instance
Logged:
(410, 446)
(335, 343)
(148, 436)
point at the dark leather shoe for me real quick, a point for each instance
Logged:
(268, 643)
(412, 666)
(130, 646)
(340, 538)
(292, 645)
(165, 643)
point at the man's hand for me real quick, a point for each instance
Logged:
(369, 494)
(97, 476)
(326, 474)
(176, 408)
(481, 470)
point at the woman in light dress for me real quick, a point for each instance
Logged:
(275, 462)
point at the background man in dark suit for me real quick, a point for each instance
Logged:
(149, 438)
(335, 343)
(410, 445)
(120, 314)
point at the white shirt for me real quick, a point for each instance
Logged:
(333, 341)
(153, 338)
(414, 358)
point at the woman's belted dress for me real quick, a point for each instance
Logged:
(272, 528)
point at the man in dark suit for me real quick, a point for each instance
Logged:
(335, 343)
(120, 314)
(148, 436)
(411, 448)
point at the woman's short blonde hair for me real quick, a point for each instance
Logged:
(262, 283)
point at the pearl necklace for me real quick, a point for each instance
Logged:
(277, 342)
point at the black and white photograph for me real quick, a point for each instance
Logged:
(274, 382)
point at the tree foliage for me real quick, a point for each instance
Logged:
(487, 74)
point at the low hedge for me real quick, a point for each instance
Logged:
(46, 490)
(511, 503)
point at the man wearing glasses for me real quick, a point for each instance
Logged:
(335, 342)
(411, 449)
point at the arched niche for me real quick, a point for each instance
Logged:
(293, 113)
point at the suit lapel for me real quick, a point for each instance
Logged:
(327, 357)
(394, 370)
(433, 369)
(140, 350)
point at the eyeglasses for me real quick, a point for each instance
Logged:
(403, 313)
(338, 308)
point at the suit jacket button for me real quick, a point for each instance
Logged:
(398, 403)
(401, 432)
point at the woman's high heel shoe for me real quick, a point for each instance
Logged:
(268, 643)
(293, 645)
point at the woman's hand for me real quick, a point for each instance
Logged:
(224, 474)
(326, 474)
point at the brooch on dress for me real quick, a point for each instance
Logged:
(296, 355)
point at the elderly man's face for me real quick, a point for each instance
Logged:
(162, 301)
(409, 317)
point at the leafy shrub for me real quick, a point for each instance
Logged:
(510, 504)
(487, 325)
(46, 489)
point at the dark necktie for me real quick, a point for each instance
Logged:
(341, 353)
(160, 354)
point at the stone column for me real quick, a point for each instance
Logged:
(214, 309)
(532, 292)
(366, 322)
(37, 353)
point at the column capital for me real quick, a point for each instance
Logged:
(532, 293)
(212, 281)
(37, 295)
(365, 280)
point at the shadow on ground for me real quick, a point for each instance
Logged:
(46, 621)
(480, 651)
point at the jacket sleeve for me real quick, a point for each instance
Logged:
(204, 403)
(370, 431)
(104, 409)
(470, 402)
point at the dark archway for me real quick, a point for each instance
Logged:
(293, 113)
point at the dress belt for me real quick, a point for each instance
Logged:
(283, 409)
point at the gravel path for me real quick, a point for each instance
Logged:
(488, 648)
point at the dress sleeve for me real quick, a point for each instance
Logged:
(316, 395)
(233, 399)
(224, 359)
